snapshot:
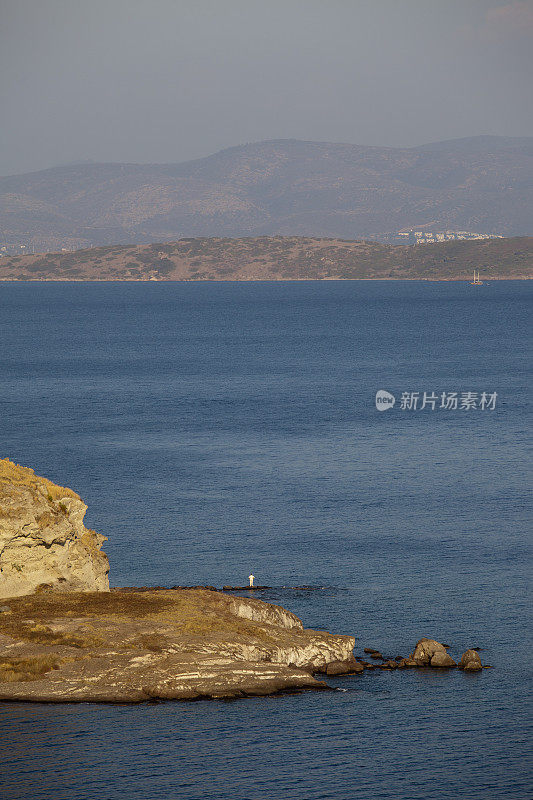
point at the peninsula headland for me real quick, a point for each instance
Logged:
(65, 636)
(279, 258)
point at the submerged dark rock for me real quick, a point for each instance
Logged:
(245, 588)
(201, 586)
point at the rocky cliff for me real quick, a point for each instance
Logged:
(43, 541)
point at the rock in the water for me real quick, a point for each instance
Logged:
(354, 666)
(336, 668)
(349, 666)
(470, 661)
(429, 652)
(442, 660)
(43, 541)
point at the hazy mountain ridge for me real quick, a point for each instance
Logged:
(281, 187)
(280, 258)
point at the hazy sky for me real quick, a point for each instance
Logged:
(170, 80)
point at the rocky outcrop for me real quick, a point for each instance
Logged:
(470, 661)
(130, 646)
(430, 653)
(133, 645)
(427, 653)
(43, 541)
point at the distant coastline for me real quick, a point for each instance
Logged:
(465, 279)
(277, 258)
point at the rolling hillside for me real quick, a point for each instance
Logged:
(285, 187)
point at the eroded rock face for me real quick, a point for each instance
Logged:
(430, 653)
(43, 540)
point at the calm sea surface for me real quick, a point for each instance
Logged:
(218, 429)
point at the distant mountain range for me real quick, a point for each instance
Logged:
(279, 258)
(285, 187)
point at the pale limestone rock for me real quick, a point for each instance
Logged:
(43, 540)
(265, 612)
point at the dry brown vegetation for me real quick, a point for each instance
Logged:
(26, 669)
(42, 634)
(188, 612)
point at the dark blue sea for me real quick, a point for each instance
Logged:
(218, 429)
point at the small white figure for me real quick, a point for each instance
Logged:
(251, 579)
